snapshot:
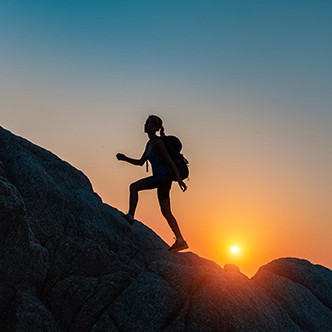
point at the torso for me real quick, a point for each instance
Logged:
(159, 166)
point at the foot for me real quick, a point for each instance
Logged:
(178, 245)
(129, 219)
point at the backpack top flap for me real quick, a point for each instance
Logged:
(173, 144)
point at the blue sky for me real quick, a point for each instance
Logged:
(212, 43)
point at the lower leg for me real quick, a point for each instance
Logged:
(166, 211)
(180, 243)
(133, 198)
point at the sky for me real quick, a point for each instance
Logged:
(246, 86)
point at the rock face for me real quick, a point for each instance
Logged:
(69, 262)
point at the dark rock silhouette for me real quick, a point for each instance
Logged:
(69, 262)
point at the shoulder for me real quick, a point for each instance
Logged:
(161, 147)
(160, 142)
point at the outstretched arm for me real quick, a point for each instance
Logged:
(165, 155)
(137, 162)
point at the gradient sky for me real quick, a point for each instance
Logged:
(246, 85)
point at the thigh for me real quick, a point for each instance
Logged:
(164, 190)
(138, 185)
(153, 181)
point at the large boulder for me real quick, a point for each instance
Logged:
(69, 262)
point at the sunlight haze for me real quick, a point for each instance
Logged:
(245, 85)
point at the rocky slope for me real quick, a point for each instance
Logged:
(69, 262)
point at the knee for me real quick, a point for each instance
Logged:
(133, 188)
(136, 187)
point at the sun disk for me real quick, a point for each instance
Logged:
(235, 250)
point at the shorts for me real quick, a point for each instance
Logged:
(162, 183)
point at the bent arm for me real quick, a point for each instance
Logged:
(136, 162)
(165, 155)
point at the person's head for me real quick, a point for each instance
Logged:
(153, 124)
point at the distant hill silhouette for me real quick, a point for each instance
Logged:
(69, 262)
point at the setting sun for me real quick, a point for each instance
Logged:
(235, 250)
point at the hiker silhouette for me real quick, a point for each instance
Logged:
(163, 170)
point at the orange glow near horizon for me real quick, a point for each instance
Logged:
(247, 196)
(245, 213)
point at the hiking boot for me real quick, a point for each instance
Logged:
(129, 219)
(178, 245)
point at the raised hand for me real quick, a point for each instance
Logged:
(121, 156)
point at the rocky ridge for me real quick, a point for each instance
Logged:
(69, 262)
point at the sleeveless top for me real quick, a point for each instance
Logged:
(159, 166)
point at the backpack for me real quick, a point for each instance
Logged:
(173, 146)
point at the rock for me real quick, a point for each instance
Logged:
(69, 262)
(232, 268)
(2, 170)
(31, 315)
(23, 261)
